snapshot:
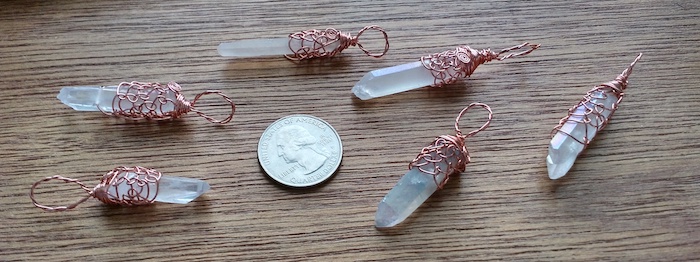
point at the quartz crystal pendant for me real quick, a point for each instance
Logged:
(103, 98)
(428, 172)
(139, 185)
(132, 186)
(136, 100)
(300, 45)
(271, 47)
(584, 121)
(433, 70)
(417, 185)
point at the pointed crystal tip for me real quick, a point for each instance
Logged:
(361, 92)
(392, 80)
(386, 216)
(555, 170)
(80, 98)
(180, 190)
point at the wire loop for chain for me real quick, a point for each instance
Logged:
(154, 101)
(452, 65)
(329, 42)
(447, 154)
(473, 132)
(60, 208)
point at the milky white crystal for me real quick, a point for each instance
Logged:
(563, 149)
(408, 194)
(265, 47)
(171, 189)
(392, 80)
(96, 98)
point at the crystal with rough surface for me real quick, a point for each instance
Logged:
(264, 47)
(171, 189)
(101, 98)
(392, 80)
(410, 192)
(563, 149)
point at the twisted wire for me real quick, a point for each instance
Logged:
(319, 43)
(452, 65)
(128, 186)
(155, 101)
(140, 187)
(448, 151)
(594, 109)
(59, 208)
(137, 100)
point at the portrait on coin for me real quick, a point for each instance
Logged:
(297, 146)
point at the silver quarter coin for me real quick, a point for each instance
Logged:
(300, 150)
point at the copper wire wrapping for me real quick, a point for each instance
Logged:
(596, 110)
(128, 186)
(316, 43)
(125, 186)
(447, 147)
(155, 101)
(452, 65)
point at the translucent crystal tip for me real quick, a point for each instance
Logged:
(361, 92)
(180, 190)
(80, 98)
(386, 216)
(557, 170)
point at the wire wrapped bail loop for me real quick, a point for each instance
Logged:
(475, 131)
(209, 118)
(517, 47)
(449, 66)
(356, 41)
(447, 154)
(125, 186)
(329, 42)
(154, 101)
(59, 208)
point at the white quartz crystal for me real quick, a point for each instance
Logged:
(88, 98)
(392, 80)
(170, 189)
(265, 47)
(100, 98)
(563, 149)
(408, 194)
(180, 190)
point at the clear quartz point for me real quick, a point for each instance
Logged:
(563, 149)
(171, 189)
(88, 98)
(180, 190)
(264, 47)
(101, 98)
(409, 193)
(392, 80)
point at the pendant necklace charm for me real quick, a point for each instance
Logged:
(136, 100)
(434, 70)
(583, 122)
(133, 186)
(302, 45)
(428, 172)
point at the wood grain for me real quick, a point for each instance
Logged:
(631, 196)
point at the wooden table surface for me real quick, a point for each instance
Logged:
(631, 196)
